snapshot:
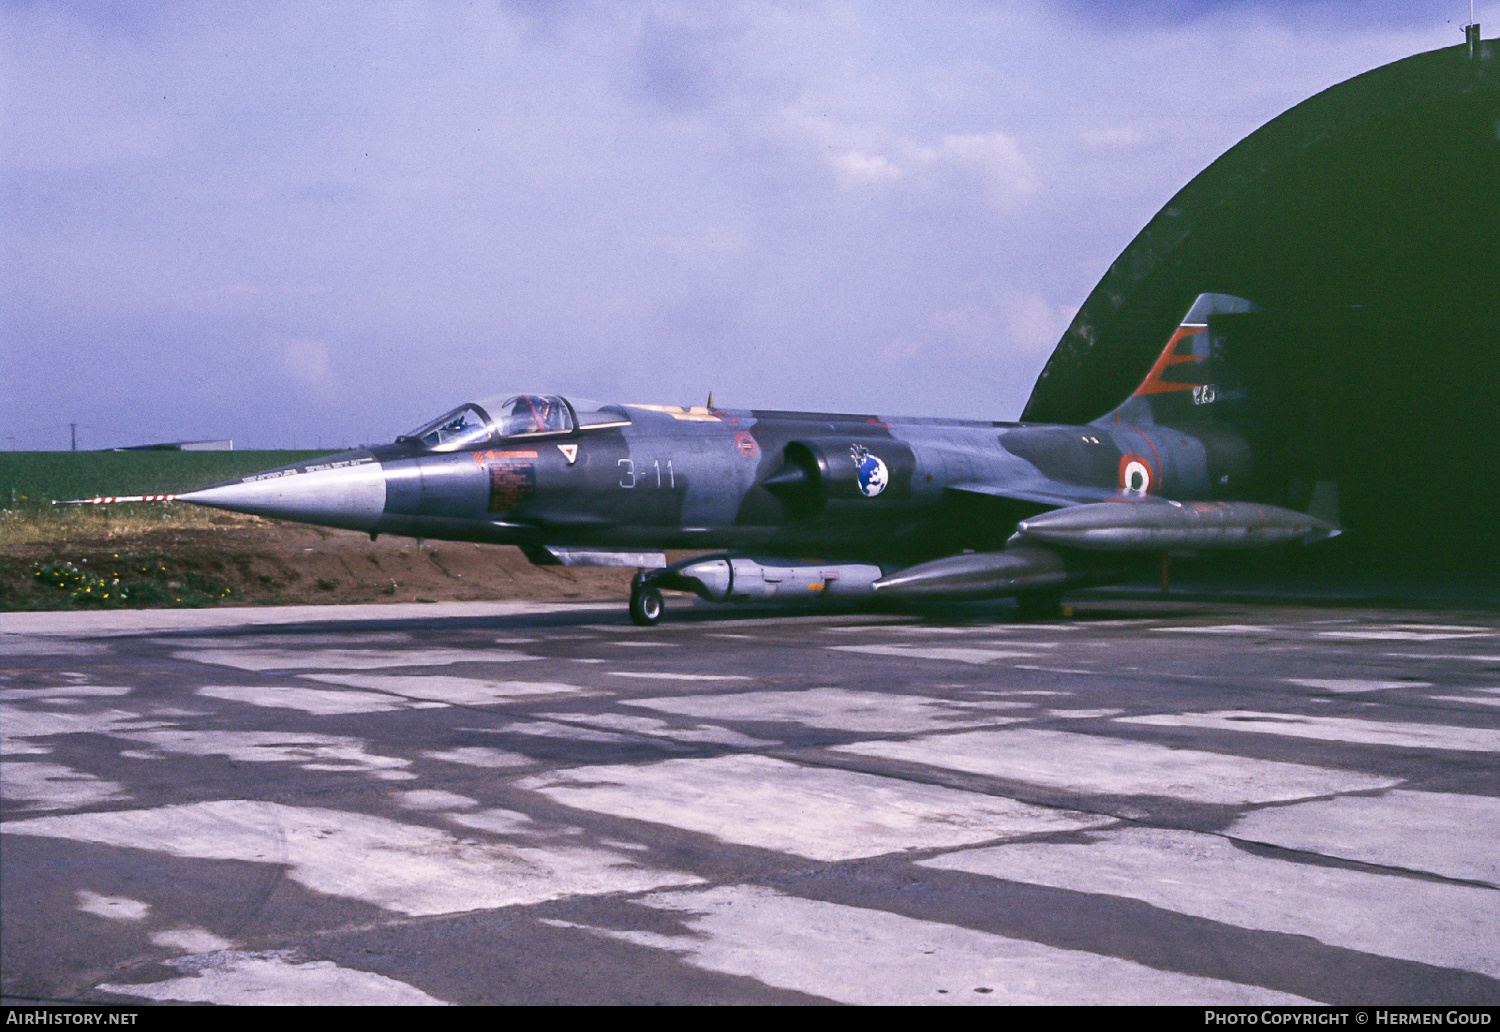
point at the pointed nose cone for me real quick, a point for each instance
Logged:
(344, 490)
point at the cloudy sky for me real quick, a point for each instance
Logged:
(319, 223)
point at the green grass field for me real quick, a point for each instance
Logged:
(31, 481)
(35, 479)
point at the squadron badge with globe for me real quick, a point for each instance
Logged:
(873, 476)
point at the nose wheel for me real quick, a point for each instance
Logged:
(646, 606)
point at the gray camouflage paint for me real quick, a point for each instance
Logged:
(890, 491)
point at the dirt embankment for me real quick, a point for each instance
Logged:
(242, 560)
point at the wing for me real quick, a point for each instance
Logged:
(1036, 494)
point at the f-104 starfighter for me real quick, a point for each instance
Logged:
(811, 506)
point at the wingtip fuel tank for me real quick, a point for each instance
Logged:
(1166, 526)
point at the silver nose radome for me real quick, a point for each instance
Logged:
(346, 490)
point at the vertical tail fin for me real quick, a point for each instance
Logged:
(1188, 374)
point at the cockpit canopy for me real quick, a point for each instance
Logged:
(520, 415)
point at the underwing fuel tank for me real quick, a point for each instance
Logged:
(1163, 526)
(979, 575)
(726, 578)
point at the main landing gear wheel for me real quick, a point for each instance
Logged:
(646, 606)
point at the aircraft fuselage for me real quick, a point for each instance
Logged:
(695, 479)
(817, 504)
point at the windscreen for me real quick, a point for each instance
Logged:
(464, 427)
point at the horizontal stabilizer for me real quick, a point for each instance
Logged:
(1160, 526)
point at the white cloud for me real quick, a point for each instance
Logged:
(1114, 138)
(854, 169)
(958, 169)
(985, 164)
(1003, 321)
(306, 363)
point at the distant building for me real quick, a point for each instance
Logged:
(180, 446)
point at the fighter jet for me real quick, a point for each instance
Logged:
(818, 506)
